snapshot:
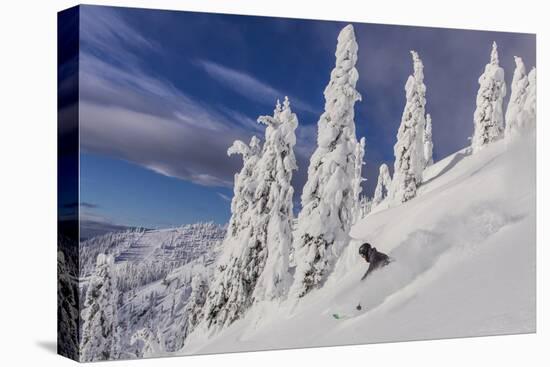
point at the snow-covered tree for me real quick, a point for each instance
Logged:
(151, 342)
(488, 118)
(428, 143)
(518, 93)
(382, 186)
(328, 197)
(409, 149)
(274, 207)
(67, 308)
(244, 184)
(231, 289)
(100, 334)
(521, 111)
(254, 264)
(528, 115)
(358, 178)
(195, 304)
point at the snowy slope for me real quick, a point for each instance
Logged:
(154, 269)
(464, 253)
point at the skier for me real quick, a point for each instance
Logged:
(375, 258)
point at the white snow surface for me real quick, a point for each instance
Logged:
(464, 251)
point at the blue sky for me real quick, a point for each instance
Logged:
(163, 94)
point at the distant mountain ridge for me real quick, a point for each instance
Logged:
(89, 229)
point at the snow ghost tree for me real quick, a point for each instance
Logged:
(100, 335)
(528, 115)
(328, 197)
(230, 289)
(428, 142)
(244, 185)
(382, 186)
(488, 119)
(518, 93)
(358, 178)
(520, 114)
(274, 207)
(409, 149)
(254, 265)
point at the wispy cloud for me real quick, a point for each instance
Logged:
(88, 214)
(244, 121)
(161, 144)
(224, 197)
(133, 88)
(105, 31)
(250, 87)
(130, 114)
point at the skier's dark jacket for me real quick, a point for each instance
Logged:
(375, 258)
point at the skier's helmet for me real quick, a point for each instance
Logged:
(364, 249)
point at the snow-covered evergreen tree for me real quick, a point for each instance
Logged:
(274, 207)
(99, 336)
(254, 265)
(521, 111)
(244, 184)
(528, 115)
(358, 178)
(231, 289)
(382, 186)
(67, 308)
(518, 94)
(195, 304)
(409, 149)
(152, 345)
(428, 143)
(488, 118)
(328, 197)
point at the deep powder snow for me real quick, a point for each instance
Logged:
(464, 253)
